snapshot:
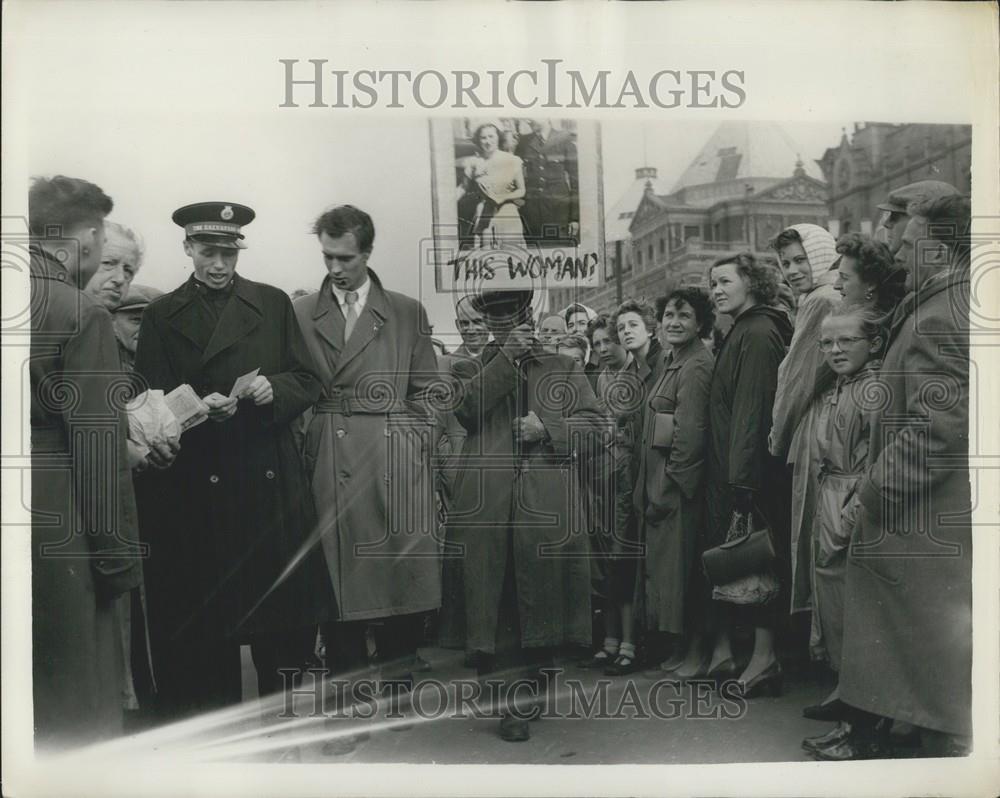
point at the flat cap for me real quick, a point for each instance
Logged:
(138, 297)
(900, 198)
(217, 223)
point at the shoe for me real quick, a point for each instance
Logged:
(860, 743)
(622, 666)
(339, 746)
(420, 664)
(514, 730)
(725, 671)
(601, 659)
(837, 734)
(660, 671)
(768, 682)
(831, 711)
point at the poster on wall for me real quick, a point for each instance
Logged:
(517, 203)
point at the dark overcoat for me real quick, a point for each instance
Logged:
(368, 446)
(83, 530)
(522, 499)
(668, 488)
(908, 598)
(740, 402)
(231, 524)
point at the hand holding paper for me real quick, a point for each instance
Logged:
(220, 407)
(260, 391)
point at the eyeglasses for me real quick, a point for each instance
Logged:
(843, 342)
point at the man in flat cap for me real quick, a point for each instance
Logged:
(126, 319)
(522, 562)
(894, 208)
(367, 443)
(229, 525)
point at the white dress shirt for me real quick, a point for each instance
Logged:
(362, 296)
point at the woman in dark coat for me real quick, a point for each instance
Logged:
(741, 475)
(669, 501)
(229, 524)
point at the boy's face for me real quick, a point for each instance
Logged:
(574, 353)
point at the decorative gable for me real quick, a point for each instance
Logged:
(796, 189)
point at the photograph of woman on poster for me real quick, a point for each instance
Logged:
(489, 193)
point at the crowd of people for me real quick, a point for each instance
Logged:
(343, 495)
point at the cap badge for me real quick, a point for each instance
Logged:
(227, 213)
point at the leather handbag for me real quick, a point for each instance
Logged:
(663, 431)
(749, 549)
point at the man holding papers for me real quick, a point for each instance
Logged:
(230, 524)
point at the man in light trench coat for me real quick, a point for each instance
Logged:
(367, 445)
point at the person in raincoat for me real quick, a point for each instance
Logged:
(669, 500)
(517, 529)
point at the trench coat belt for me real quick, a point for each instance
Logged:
(347, 406)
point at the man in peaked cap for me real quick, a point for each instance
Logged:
(229, 524)
(895, 205)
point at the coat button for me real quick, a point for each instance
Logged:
(269, 474)
(341, 433)
(214, 479)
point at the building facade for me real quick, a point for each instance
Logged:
(746, 185)
(878, 157)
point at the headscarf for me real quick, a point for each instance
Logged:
(821, 249)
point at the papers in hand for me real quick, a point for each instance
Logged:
(243, 383)
(186, 406)
(151, 422)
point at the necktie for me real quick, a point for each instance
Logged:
(351, 314)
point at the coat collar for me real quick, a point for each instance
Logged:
(329, 319)
(242, 314)
(942, 281)
(677, 357)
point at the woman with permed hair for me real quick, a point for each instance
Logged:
(740, 474)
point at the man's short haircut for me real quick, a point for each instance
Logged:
(700, 302)
(602, 322)
(345, 219)
(60, 204)
(643, 309)
(761, 276)
(784, 238)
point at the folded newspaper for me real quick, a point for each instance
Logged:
(155, 418)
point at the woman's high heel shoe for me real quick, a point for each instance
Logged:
(725, 671)
(768, 682)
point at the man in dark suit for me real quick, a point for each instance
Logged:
(233, 556)
(551, 211)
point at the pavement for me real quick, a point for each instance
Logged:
(689, 725)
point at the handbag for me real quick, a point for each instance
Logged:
(746, 550)
(663, 431)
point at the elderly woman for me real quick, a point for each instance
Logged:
(671, 458)
(496, 178)
(120, 261)
(740, 473)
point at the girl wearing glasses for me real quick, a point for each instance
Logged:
(851, 342)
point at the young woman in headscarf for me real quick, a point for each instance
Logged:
(806, 255)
